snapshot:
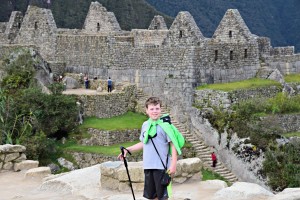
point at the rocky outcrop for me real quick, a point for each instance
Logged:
(242, 191)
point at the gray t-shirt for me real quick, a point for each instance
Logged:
(150, 158)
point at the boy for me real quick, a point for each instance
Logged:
(153, 167)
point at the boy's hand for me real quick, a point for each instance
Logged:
(172, 170)
(121, 157)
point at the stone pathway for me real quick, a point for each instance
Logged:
(14, 186)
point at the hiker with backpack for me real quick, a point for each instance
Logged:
(161, 142)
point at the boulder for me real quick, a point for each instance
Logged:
(243, 191)
(71, 83)
(39, 172)
(75, 182)
(288, 193)
(25, 165)
(65, 163)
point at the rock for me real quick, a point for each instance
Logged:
(242, 191)
(65, 163)
(39, 172)
(287, 194)
(77, 181)
(217, 184)
(11, 156)
(8, 148)
(25, 165)
(21, 158)
(99, 89)
(7, 166)
(54, 168)
(71, 83)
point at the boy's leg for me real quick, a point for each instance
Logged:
(153, 189)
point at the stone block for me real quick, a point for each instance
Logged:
(39, 172)
(11, 156)
(8, 166)
(8, 148)
(2, 156)
(135, 170)
(21, 158)
(25, 165)
(108, 182)
(125, 186)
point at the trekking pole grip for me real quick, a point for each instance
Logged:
(122, 150)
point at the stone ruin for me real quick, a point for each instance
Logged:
(169, 62)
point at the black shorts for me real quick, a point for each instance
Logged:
(153, 189)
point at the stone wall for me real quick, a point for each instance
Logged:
(283, 51)
(106, 105)
(213, 98)
(114, 175)
(11, 155)
(287, 123)
(106, 138)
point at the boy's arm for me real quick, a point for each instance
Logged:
(133, 148)
(172, 169)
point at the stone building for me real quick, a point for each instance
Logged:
(160, 61)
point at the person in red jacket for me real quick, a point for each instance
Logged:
(214, 159)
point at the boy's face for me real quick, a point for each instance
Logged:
(153, 111)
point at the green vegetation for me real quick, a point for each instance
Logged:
(29, 116)
(292, 134)
(282, 166)
(292, 78)
(245, 84)
(112, 150)
(129, 120)
(210, 175)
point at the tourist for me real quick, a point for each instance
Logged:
(155, 143)
(86, 81)
(109, 85)
(214, 159)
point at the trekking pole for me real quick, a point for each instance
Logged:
(125, 163)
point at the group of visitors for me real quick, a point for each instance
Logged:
(87, 82)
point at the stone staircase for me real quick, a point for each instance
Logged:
(202, 150)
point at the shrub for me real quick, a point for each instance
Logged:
(282, 166)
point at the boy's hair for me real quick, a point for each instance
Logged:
(153, 101)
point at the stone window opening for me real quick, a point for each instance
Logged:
(155, 27)
(246, 53)
(19, 25)
(98, 27)
(231, 55)
(180, 34)
(216, 55)
(35, 25)
(230, 34)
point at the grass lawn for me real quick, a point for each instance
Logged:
(246, 84)
(129, 121)
(112, 150)
(292, 134)
(292, 78)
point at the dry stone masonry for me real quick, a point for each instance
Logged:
(170, 62)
